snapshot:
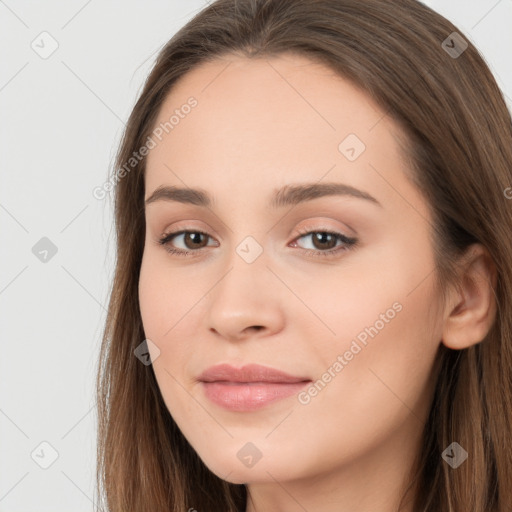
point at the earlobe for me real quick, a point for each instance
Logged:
(471, 314)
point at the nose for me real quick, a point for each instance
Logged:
(246, 302)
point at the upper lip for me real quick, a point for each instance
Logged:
(247, 373)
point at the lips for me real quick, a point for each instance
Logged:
(248, 373)
(250, 387)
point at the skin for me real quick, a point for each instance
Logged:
(259, 125)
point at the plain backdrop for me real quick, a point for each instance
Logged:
(69, 75)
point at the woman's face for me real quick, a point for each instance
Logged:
(285, 152)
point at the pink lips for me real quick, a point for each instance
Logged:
(248, 388)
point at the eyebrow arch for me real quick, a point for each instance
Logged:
(287, 195)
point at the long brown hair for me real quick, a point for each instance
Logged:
(459, 148)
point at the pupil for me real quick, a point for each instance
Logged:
(193, 236)
(323, 238)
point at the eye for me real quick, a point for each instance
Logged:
(193, 240)
(324, 243)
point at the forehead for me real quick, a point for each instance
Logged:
(273, 99)
(268, 122)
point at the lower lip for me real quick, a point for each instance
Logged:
(245, 396)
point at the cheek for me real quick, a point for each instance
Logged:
(360, 402)
(165, 296)
(170, 302)
(381, 359)
(367, 282)
(164, 302)
(385, 335)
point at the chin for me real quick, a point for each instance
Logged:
(235, 466)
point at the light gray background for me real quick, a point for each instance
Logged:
(61, 120)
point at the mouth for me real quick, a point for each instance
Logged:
(248, 388)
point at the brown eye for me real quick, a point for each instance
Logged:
(191, 240)
(322, 240)
(325, 243)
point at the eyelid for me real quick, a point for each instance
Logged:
(323, 223)
(181, 226)
(321, 226)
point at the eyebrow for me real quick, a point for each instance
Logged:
(285, 196)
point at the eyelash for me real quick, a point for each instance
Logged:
(349, 243)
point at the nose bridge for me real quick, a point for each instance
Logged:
(244, 296)
(245, 281)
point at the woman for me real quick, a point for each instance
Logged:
(312, 300)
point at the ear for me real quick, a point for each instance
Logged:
(471, 310)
